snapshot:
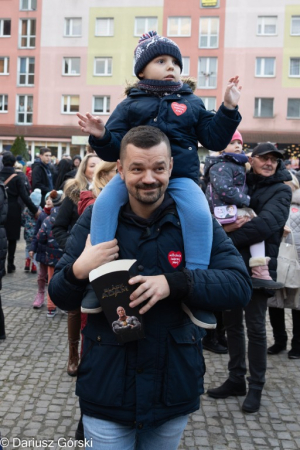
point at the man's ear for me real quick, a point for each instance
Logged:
(120, 169)
(171, 165)
(250, 159)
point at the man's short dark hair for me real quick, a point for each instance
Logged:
(144, 137)
(44, 150)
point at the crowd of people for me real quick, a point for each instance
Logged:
(205, 249)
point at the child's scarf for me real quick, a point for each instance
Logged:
(160, 87)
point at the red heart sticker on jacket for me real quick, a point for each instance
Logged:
(178, 108)
(294, 210)
(175, 259)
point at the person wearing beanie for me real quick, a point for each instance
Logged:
(162, 99)
(28, 222)
(52, 251)
(16, 192)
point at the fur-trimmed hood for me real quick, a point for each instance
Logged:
(191, 82)
(296, 197)
(73, 192)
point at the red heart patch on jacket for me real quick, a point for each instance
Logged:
(294, 210)
(175, 259)
(178, 108)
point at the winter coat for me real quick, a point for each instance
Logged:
(37, 247)
(40, 179)
(67, 215)
(181, 116)
(28, 222)
(3, 239)
(148, 382)
(86, 199)
(227, 181)
(45, 237)
(15, 189)
(270, 200)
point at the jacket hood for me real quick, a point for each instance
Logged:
(191, 82)
(211, 160)
(86, 199)
(73, 192)
(296, 197)
(281, 175)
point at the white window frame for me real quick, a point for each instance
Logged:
(206, 103)
(259, 116)
(27, 36)
(179, 33)
(106, 60)
(106, 102)
(263, 63)
(25, 112)
(263, 24)
(4, 101)
(147, 27)
(32, 5)
(209, 34)
(68, 96)
(69, 60)
(211, 2)
(27, 73)
(290, 66)
(109, 26)
(70, 21)
(293, 117)
(6, 65)
(2, 28)
(208, 72)
(296, 19)
(185, 66)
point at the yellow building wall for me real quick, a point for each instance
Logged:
(120, 46)
(291, 47)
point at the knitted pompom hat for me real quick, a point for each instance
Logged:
(57, 197)
(152, 45)
(237, 137)
(36, 196)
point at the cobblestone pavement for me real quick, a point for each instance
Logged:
(37, 399)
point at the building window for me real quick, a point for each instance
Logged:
(263, 107)
(209, 103)
(295, 67)
(144, 24)
(3, 103)
(101, 104)
(71, 66)
(295, 26)
(26, 71)
(104, 27)
(103, 67)
(5, 25)
(73, 27)
(265, 67)
(4, 65)
(24, 109)
(267, 25)
(27, 33)
(28, 5)
(207, 73)
(209, 32)
(209, 3)
(185, 66)
(293, 110)
(179, 26)
(70, 104)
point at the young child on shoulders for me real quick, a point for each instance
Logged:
(28, 221)
(161, 99)
(227, 187)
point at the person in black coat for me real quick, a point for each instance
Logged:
(270, 200)
(3, 250)
(15, 189)
(42, 173)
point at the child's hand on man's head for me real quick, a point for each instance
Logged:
(92, 125)
(232, 93)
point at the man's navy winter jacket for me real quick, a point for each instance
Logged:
(148, 382)
(181, 116)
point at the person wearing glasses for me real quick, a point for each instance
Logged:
(270, 200)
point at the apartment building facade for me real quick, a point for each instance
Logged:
(58, 58)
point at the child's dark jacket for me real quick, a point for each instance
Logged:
(181, 116)
(45, 237)
(227, 181)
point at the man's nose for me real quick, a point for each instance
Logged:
(148, 177)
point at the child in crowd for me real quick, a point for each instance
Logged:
(49, 250)
(28, 222)
(227, 186)
(160, 99)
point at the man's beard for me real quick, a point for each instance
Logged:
(148, 199)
